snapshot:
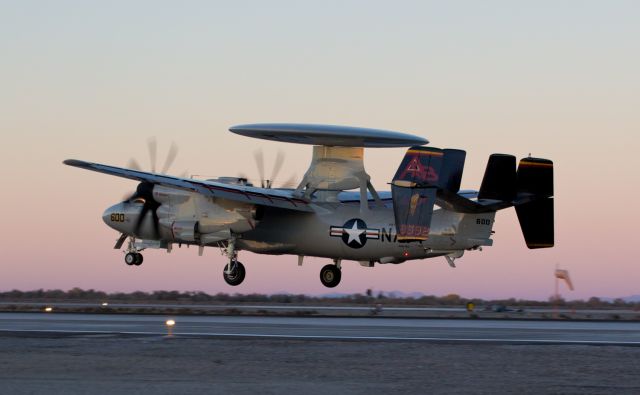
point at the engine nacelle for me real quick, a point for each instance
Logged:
(185, 230)
(165, 195)
(189, 231)
(193, 218)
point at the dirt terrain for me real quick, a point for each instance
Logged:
(108, 364)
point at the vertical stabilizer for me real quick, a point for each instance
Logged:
(535, 187)
(499, 181)
(414, 190)
(452, 167)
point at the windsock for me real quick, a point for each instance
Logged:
(564, 275)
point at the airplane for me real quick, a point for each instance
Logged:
(335, 212)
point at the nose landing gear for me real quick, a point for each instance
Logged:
(133, 257)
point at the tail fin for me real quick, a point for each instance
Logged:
(434, 167)
(424, 172)
(535, 187)
(427, 174)
(536, 222)
(535, 176)
(452, 167)
(499, 182)
(414, 190)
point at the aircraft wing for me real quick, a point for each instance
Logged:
(237, 193)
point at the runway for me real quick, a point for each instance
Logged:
(322, 309)
(329, 328)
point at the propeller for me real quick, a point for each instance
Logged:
(152, 145)
(144, 191)
(171, 156)
(258, 155)
(277, 166)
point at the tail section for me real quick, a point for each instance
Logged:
(414, 192)
(428, 175)
(535, 176)
(529, 189)
(536, 222)
(535, 189)
(499, 182)
(423, 172)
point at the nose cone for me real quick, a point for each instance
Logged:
(114, 216)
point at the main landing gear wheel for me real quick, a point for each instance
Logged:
(133, 258)
(330, 276)
(236, 275)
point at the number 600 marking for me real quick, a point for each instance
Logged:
(117, 217)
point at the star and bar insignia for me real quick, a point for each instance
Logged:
(354, 233)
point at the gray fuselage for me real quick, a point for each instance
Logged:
(343, 231)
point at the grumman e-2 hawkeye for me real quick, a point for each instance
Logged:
(335, 212)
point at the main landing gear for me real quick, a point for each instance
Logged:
(330, 275)
(234, 271)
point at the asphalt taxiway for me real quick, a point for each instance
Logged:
(329, 328)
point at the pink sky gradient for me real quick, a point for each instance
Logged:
(91, 82)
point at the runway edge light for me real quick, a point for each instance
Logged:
(170, 323)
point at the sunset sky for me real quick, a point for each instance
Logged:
(94, 80)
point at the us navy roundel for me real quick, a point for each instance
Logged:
(354, 233)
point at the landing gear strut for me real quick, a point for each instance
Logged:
(133, 256)
(330, 275)
(234, 271)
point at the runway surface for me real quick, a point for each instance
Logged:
(319, 308)
(328, 328)
(244, 307)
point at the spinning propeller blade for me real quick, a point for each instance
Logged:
(276, 167)
(171, 156)
(259, 157)
(144, 191)
(152, 145)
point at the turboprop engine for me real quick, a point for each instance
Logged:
(175, 215)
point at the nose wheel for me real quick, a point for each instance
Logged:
(330, 276)
(133, 259)
(234, 273)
